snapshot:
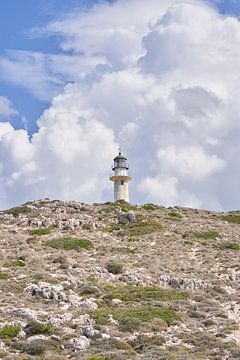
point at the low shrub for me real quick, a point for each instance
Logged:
(143, 314)
(114, 268)
(18, 210)
(207, 234)
(149, 207)
(3, 276)
(41, 231)
(209, 322)
(9, 332)
(15, 263)
(88, 289)
(129, 324)
(87, 227)
(34, 328)
(35, 347)
(144, 225)
(122, 250)
(133, 239)
(175, 215)
(130, 293)
(142, 342)
(68, 243)
(125, 206)
(229, 246)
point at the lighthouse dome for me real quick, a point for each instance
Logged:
(120, 161)
(120, 157)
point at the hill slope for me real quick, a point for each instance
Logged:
(89, 282)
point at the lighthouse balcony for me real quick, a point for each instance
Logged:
(125, 177)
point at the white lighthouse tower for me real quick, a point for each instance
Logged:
(120, 177)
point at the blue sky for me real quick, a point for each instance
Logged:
(16, 17)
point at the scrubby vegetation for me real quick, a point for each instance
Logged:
(174, 215)
(229, 246)
(3, 276)
(122, 250)
(149, 207)
(211, 234)
(35, 328)
(35, 347)
(19, 210)
(143, 226)
(129, 324)
(9, 332)
(68, 243)
(131, 294)
(114, 268)
(41, 231)
(143, 314)
(15, 263)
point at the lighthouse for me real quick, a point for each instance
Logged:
(120, 177)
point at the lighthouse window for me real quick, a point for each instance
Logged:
(122, 182)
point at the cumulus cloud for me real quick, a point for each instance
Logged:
(68, 158)
(161, 84)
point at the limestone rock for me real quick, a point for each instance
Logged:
(167, 281)
(79, 344)
(24, 314)
(121, 215)
(59, 319)
(47, 291)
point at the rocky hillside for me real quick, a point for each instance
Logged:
(117, 281)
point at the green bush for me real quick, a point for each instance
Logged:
(41, 231)
(68, 243)
(144, 225)
(114, 268)
(15, 263)
(3, 276)
(35, 347)
(34, 328)
(175, 215)
(122, 250)
(143, 314)
(124, 205)
(231, 218)
(149, 207)
(9, 332)
(130, 293)
(207, 234)
(18, 210)
(88, 289)
(209, 322)
(229, 246)
(133, 239)
(129, 324)
(87, 227)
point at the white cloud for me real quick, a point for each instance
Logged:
(164, 86)
(68, 157)
(189, 162)
(6, 109)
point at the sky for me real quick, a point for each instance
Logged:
(160, 79)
